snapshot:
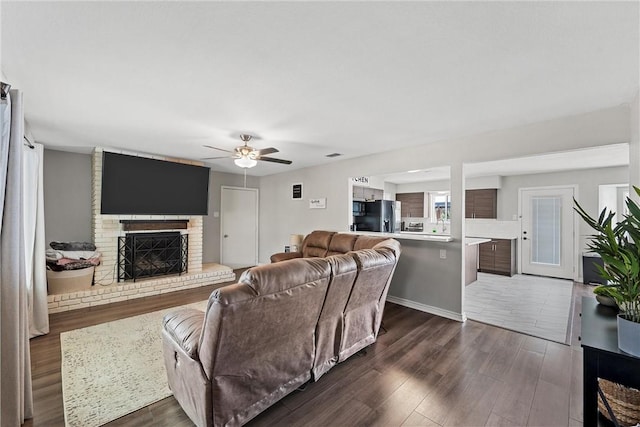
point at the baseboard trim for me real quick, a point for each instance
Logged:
(427, 308)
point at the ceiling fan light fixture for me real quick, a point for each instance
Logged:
(247, 157)
(245, 162)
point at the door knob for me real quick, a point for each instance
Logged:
(225, 236)
(524, 238)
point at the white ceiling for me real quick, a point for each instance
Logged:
(310, 78)
(588, 158)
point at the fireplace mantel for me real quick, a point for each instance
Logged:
(150, 224)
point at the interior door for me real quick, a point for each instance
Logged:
(548, 232)
(239, 227)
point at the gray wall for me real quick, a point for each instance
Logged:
(211, 223)
(67, 196)
(587, 194)
(67, 200)
(587, 181)
(280, 216)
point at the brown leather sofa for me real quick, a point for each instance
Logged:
(280, 326)
(351, 319)
(324, 243)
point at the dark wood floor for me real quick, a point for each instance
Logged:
(424, 371)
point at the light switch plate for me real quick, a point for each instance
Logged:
(443, 254)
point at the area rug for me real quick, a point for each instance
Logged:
(113, 369)
(533, 305)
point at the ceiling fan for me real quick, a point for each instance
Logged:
(246, 156)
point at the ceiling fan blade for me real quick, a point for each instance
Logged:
(213, 158)
(264, 151)
(216, 148)
(271, 159)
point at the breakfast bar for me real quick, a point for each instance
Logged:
(429, 274)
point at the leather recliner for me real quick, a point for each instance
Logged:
(281, 325)
(351, 318)
(253, 345)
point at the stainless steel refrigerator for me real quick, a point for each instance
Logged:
(378, 216)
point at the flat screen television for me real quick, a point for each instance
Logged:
(142, 186)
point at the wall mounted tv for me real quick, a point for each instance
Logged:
(142, 186)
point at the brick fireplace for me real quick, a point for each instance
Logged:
(107, 229)
(143, 255)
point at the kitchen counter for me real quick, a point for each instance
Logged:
(415, 235)
(471, 241)
(471, 258)
(407, 235)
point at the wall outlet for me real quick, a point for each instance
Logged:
(216, 214)
(443, 254)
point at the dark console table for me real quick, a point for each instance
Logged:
(602, 357)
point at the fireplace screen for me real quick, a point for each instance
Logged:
(143, 255)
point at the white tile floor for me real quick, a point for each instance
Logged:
(533, 305)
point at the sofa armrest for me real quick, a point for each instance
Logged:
(283, 256)
(184, 326)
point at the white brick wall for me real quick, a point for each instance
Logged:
(106, 229)
(99, 295)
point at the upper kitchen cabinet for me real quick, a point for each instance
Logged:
(481, 203)
(412, 204)
(367, 193)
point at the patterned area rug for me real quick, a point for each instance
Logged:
(538, 306)
(113, 369)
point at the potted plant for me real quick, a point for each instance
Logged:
(603, 295)
(619, 246)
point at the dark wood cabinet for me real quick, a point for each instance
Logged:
(481, 203)
(412, 204)
(498, 256)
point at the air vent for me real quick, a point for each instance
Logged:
(333, 155)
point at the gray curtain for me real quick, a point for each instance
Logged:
(16, 401)
(33, 200)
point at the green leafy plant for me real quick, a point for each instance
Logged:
(619, 246)
(603, 290)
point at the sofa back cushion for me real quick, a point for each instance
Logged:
(363, 312)
(259, 334)
(368, 242)
(275, 278)
(341, 243)
(316, 243)
(390, 244)
(330, 325)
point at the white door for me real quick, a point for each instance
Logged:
(547, 232)
(239, 227)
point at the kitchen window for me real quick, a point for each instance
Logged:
(440, 206)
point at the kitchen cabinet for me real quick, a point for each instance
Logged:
(481, 203)
(358, 193)
(412, 204)
(367, 193)
(498, 256)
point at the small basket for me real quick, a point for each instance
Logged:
(624, 401)
(67, 281)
